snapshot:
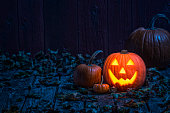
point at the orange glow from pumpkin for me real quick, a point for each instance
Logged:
(121, 81)
(115, 62)
(130, 62)
(122, 71)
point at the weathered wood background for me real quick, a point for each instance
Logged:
(82, 26)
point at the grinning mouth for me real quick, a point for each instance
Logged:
(121, 81)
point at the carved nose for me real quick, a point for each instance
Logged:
(122, 71)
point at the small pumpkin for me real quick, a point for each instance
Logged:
(88, 75)
(101, 88)
(152, 44)
(124, 70)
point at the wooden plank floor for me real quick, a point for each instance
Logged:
(15, 91)
(26, 93)
(27, 89)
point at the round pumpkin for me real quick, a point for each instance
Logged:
(101, 88)
(152, 44)
(88, 75)
(124, 70)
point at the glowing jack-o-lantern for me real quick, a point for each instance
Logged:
(124, 70)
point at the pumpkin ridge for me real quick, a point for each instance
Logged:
(150, 36)
(136, 59)
(142, 63)
(129, 55)
(116, 70)
(159, 46)
(106, 66)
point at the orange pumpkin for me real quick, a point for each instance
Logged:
(101, 88)
(88, 75)
(124, 70)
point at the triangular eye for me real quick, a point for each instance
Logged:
(130, 62)
(115, 63)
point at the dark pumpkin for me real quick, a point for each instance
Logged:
(152, 44)
(88, 75)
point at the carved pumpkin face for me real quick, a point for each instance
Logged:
(124, 70)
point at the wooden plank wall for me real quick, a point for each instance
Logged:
(21, 25)
(60, 20)
(92, 25)
(9, 25)
(31, 25)
(82, 26)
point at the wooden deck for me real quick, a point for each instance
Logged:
(47, 93)
(49, 88)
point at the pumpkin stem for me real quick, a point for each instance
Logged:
(124, 52)
(101, 80)
(156, 17)
(93, 56)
